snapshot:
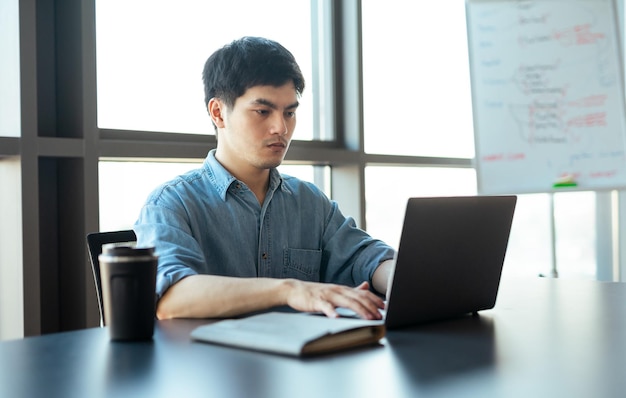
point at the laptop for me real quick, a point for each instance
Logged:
(450, 258)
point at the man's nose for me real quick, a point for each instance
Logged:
(279, 125)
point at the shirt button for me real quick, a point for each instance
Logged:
(264, 256)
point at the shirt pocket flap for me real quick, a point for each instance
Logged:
(303, 264)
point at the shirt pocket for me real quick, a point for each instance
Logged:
(302, 264)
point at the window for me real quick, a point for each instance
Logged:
(387, 190)
(11, 273)
(414, 101)
(125, 186)
(416, 83)
(530, 245)
(425, 67)
(9, 67)
(150, 56)
(417, 101)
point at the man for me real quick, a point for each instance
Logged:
(235, 236)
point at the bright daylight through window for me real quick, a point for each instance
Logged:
(416, 102)
(150, 57)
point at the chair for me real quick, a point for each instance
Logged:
(95, 241)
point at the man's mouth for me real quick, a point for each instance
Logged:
(278, 144)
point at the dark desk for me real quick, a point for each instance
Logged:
(545, 338)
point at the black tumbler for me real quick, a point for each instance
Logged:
(128, 277)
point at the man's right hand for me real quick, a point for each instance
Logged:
(326, 297)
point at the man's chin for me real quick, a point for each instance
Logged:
(271, 164)
(274, 165)
(272, 160)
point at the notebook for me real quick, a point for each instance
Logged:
(450, 258)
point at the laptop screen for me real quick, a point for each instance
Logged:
(450, 257)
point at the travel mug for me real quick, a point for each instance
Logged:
(128, 277)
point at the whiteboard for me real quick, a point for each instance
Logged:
(547, 95)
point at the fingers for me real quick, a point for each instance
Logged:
(361, 301)
(325, 298)
(328, 309)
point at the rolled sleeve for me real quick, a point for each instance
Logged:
(352, 255)
(178, 252)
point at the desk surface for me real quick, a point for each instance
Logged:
(544, 338)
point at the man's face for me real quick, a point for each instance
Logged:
(257, 130)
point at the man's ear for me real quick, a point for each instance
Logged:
(217, 111)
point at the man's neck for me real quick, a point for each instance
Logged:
(258, 185)
(257, 180)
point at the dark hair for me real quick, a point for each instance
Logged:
(249, 62)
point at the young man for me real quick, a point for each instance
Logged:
(235, 236)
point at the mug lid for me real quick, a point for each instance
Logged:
(126, 249)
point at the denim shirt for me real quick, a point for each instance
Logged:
(208, 222)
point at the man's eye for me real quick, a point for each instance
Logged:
(290, 114)
(262, 111)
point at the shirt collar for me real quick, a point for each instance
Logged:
(222, 179)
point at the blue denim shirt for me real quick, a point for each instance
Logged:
(208, 222)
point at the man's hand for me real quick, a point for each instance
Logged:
(325, 297)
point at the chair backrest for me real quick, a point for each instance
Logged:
(95, 240)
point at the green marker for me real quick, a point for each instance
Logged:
(565, 184)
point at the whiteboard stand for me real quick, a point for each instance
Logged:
(608, 236)
(554, 273)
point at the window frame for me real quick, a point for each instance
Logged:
(60, 146)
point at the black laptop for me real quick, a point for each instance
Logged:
(450, 258)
